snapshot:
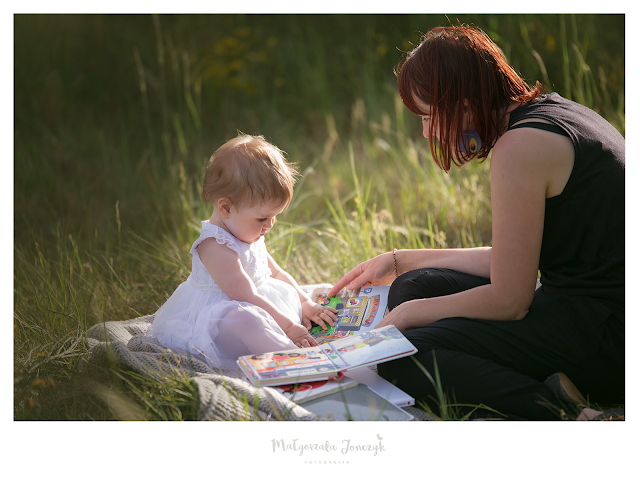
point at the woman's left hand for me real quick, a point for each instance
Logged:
(318, 314)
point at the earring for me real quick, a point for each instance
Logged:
(470, 142)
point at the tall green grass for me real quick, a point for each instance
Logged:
(115, 117)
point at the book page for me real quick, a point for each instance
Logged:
(359, 310)
(371, 347)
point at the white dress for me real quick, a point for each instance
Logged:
(200, 319)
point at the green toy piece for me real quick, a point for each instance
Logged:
(334, 301)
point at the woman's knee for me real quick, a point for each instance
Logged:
(405, 288)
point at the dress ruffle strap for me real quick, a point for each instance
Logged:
(221, 236)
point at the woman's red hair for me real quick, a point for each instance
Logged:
(454, 64)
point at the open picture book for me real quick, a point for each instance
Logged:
(359, 310)
(328, 360)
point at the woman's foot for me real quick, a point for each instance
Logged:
(573, 400)
(588, 414)
(568, 394)
(571, 390)
(615, 414)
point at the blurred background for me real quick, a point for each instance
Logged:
(117, 115)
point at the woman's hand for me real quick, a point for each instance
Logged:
(401, 317)
(318, 314)
(377, 271)
(300, 336)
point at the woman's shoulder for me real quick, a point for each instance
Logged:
(535, 156)
(550, 107)
(532, 136)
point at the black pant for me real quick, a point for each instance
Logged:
(501, 364)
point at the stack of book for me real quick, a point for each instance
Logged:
(337, 365)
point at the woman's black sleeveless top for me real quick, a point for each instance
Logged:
(583, 241)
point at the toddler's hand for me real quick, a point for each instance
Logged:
(300, 336)
(318, 314)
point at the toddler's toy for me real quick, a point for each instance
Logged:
(329, 302)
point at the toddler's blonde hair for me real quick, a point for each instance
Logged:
(247, 170)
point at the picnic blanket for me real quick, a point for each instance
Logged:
(223, 394)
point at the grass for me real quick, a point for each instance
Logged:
(115, 117)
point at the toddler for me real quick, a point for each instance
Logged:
(237, 300)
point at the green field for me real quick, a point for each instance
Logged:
(116, 116)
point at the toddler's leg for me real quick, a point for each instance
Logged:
(247, 329)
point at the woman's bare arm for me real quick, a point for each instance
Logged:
(476, 261)
(523, 166)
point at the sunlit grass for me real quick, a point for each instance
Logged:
(109, 158)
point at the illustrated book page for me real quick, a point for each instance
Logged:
(328, 360)
(359, 310)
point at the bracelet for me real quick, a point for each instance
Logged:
(395, 262)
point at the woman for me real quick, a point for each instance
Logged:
(557, 200)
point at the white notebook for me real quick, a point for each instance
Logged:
(381, 386)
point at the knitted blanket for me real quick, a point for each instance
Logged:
(224, 395)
